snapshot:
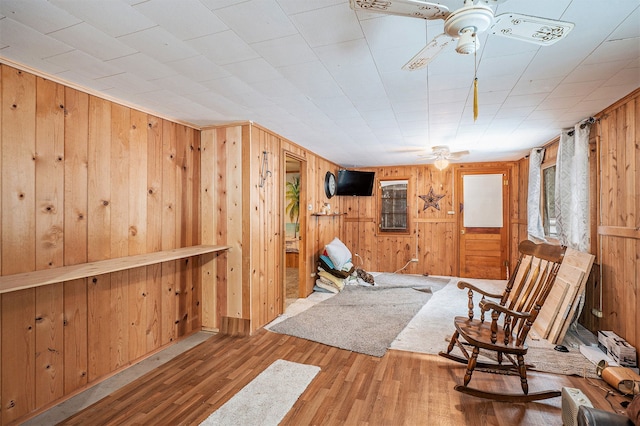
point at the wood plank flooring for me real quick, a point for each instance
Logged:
(401, 388)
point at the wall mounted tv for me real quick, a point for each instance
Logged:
(351, 182)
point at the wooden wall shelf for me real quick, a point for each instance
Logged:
(44, 277)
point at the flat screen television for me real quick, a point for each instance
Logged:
(352, 182)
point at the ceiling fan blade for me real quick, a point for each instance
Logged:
(406, 149)
(492, 2)
(427, 156)
(531, 29)
(456, 155)
(411, 8)
(429, 52)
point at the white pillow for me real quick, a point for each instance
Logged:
(338, 253)
(328, 287)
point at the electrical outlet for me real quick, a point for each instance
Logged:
(415, 260)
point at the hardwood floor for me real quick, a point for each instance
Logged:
(401, 388)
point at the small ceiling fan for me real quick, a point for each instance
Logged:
(466, 23)
(442, 155)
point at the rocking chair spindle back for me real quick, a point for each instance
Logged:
(512, 314)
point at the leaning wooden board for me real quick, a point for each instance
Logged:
(549, 311)
(561, 304)
(583, 262)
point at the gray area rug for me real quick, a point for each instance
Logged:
(363, 319)
(267, 399)
(430, 330)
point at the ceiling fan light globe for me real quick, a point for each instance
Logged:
(441, 163)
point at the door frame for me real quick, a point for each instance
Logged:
(505, 170)
(302, 222)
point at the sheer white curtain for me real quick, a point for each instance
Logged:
(572, 188)
(534, 218)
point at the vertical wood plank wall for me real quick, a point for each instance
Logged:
(85, 179)
(433, 237)
(618, 221)
(615, 218)
(250, 219)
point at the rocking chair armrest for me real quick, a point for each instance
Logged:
(463, 284)
(487, 305)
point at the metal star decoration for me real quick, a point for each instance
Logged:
(431, 199)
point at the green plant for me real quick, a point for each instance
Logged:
(293, 197)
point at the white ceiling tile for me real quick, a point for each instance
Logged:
(289, 50)
(338, 107)
(626, 76)
(296, 6)
(506, 64)
(85, 64)
(253, 70)
(185, 19)
(257, 20)
(29, 41)
(159, 44)
(37, 14)
(564, 102)
(629, 28)
(574, 89)
(610, 93)
(537, 86)
(594, 72)
(530, 100)
(142, 66)
(84, 37)
(515, 112)
(19, 56)
(180, 84)
(126, 83)
(82, 80)
(113, 17)
(235, 49)
(198, 68)
(614, 50)
(312, 79)
(219, 4)
(280, 87)
(396, 32)
(228, 87)
(315, 25)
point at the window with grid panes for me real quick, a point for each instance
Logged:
(393, 202)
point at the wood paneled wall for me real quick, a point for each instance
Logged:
(84, 179)
(614, 285)
(250, 218)
(433, 237)
(617, 134)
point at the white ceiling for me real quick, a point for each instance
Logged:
(328, 78)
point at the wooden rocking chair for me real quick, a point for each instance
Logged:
(512, 314)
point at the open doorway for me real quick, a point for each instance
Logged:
(294, 227)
